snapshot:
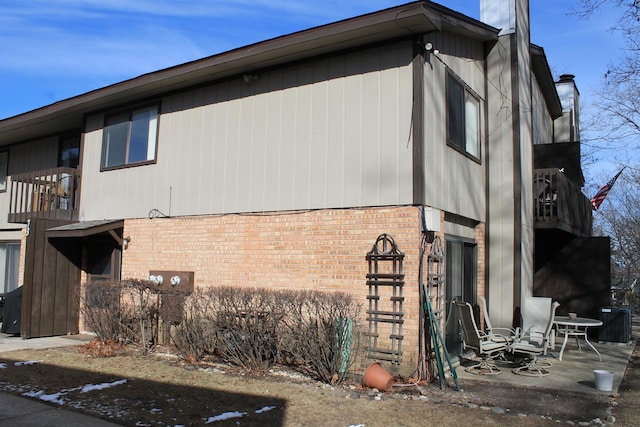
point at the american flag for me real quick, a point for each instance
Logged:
(602, 193)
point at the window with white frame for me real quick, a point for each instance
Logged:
(463, 117)
(9, 266)
(129, 137)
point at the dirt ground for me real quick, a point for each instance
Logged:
(161, 390)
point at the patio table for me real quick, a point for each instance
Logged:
(576, 328)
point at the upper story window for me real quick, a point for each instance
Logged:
(130, 137)
(4, 164)
(69, 151)
(463, 118)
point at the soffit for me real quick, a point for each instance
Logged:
(542, 73)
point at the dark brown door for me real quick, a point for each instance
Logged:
(50, 298)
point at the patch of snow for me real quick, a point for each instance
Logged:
(58, 397)
(3, 365)
(358, 425)
(53, 398)
(91, 387)
(27, 363)
(265, 409)
(225, 416)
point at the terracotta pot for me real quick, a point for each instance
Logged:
(377, 377)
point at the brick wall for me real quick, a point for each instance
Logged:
(321, 249)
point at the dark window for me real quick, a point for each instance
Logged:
(4, 164)
(69, 153)
(463, 118)
(130, 137)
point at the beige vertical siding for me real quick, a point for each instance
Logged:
(330, 133)
(542, 122)
(526, 150)
(510, 218)
(34, 155)
(27, 157)
(454, 182)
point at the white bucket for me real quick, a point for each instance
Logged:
(604, 379)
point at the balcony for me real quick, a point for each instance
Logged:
(559, 204)
(46, 194)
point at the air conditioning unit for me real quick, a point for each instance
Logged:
(616, 325)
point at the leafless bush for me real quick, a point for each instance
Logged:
(318, 333)
(247, 322)
(101, 310)
(141, 305)
(196, 334)
(122, 311)
(237, 324)
(255, 328)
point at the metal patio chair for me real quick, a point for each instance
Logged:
(481, 343)
(497, 334)
(532, 350)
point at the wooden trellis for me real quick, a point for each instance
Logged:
(436, 277)
(385, 312)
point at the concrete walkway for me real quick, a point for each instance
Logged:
(19, 411)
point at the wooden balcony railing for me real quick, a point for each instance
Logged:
(51, 194)
(559, 203)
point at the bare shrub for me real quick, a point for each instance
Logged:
(102, 310)
(141, 307)
(122, 312)
(318, 332)
(196, 334)
(247, 321)
(255, 328)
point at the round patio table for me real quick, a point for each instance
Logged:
(576, 328)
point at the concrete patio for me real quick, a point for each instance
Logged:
(574, 373)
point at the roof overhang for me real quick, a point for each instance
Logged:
(85, 229)
(542, 73)
(414, 18)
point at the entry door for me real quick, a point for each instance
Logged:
(103, 258)
(461, 286)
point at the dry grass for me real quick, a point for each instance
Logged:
(163, 390)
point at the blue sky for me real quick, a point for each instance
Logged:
(55, 49)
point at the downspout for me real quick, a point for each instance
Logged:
(485, 154)
(517, 182)
(417, 122)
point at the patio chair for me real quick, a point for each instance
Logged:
(497, 334)
(482, 345)
(531, 350)
(535, 318)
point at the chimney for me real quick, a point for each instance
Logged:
(567, 127)
(499, 14)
